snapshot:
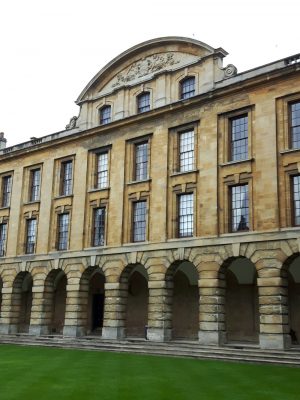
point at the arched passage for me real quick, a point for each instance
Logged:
(241, 301)
(55, 301)
(21, 302)
(293, 275)
(134, 280)
(1, 286)
(185, 300)
(92, 299)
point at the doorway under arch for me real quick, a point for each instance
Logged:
(293, 273)
(1, 287)
(55, 293)
(241, 301)
(185, 300)
(135, 277)
(21, 302)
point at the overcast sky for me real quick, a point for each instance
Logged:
(51, 49)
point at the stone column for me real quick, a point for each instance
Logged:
(5, 315)
(211, 300)
(37, 325)
(72, 313)
(160, 310)
(114, 310)
(273, 307)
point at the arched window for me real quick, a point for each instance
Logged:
(105, 115)
(143, 102)
(187, 87)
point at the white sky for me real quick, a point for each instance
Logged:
(51, 49)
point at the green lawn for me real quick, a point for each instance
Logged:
(36, 373)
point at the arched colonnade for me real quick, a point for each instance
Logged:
(204, 297)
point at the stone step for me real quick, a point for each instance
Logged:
(177, 349)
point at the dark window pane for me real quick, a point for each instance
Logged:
(239, 138)
(63, 231)
(186, 151)
(35, 185)
(139, 221)
(30, 236)
(66, 178)
(239, 208)
(141, 161)
(296, 199)
(295, 125)
(3, 236)
(186, 215)
(143, 102)
(102, 170)
(99, 227)
(6, 190)
(105, 115)
(188, 88)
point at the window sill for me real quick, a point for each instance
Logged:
(184, 172)
(64, 196)
(239, 233)
(137, 182)
(99, 189)
(104, 246)
(27, 203)
(291, 228)
(5, 208)
(289, 151)
(237, 162)
(186, 238)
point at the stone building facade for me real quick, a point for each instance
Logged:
(170, 207)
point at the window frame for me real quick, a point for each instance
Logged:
(137, 176)
(231, 209)
(144, 221)
(27, 237)
(231, 141)
(93, 236)
(179, 215)
(32, 198)
(62, 183)
(58, 232)
(6, 195)
(290, 126)
(179, 164)
(104, 120)
(3, 243)
(187, 94)
(99, 172)
(292, 199)
(224, 134)
(142, 105)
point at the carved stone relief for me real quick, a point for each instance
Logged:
(147, 66)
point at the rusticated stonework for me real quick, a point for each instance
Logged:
(117, 273)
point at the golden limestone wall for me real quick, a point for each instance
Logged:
(29, 283)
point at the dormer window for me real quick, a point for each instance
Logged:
(187, 87)
(105, 115)
(143, 102)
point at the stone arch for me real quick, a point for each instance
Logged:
(21, 302)
(240, 300)
(182, 280)
(55, 301)
(291, 271)
(135, 297)
(91, 300)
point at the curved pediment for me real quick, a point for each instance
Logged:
(143, 61)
